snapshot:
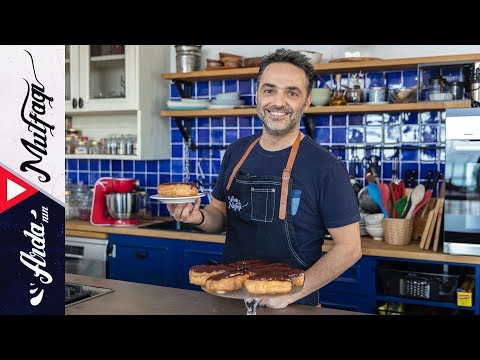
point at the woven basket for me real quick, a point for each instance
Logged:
(397, 231)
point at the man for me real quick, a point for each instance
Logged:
(278, 192)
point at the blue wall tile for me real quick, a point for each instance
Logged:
(128, 165)
(82, 164)
(139, 166)
(116, 165)
(152, 166)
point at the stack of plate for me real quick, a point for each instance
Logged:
(227, 100)
(188, 104)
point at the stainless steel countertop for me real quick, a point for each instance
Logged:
(130, 298)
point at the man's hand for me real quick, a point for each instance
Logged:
(277, 302)
(186, 212)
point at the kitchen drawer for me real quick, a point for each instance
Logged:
(358, 279)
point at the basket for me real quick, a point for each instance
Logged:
(397, 231)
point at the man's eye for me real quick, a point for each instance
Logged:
(293, 93)
(268, 91)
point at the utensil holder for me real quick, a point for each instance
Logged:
(397, 231)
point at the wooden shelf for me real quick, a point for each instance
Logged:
(327, 68)
(316, 110)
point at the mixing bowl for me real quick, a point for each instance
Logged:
(122, 206)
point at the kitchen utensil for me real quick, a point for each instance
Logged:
(430, 185)
(396, 194)
(375, 194)
(400, 205)
(385, 194)
(415, 197)
(371, 164)
(395, 178)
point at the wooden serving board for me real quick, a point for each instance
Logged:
(419, 222)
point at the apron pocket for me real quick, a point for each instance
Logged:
(263, 204)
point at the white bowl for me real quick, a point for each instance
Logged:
(375, 232)
(374, 219)
(321, 96)
(313, 56)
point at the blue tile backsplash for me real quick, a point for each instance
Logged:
(401, 133)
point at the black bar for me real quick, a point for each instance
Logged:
(185, 91)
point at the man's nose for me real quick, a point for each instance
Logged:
(279, 98)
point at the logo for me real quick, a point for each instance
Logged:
(13, 190)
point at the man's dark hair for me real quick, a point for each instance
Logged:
(291, 57)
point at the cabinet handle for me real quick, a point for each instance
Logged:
(74, 103)
(140, 255)
(80, 103)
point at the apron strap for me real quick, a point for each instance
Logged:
(240, 162)
(286, 177)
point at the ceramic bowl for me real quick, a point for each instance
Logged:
(374, 219)
(376, 232)
(321, 96)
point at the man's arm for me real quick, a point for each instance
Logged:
(346, 251)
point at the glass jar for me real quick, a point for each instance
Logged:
(71, 206)
(85, 206)
(144, 206)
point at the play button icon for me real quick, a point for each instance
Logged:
(13, 190)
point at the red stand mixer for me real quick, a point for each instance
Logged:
(114, 202)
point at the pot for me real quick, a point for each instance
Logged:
(366, 202)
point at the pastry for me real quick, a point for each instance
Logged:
(199, 274)
(268, 284)
(177, 189)
(227, 281)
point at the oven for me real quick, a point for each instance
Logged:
(462, 182)
(86, 256)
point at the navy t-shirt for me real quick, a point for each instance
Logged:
(323, 196)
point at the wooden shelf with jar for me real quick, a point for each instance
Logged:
(326, 68)
(318, 110)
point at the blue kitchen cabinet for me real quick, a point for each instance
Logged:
(354, 289)
(143, 259)
(192, 253)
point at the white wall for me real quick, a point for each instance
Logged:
(335, 51)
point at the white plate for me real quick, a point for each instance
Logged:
(179, 200)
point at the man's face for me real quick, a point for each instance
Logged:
(282, 98)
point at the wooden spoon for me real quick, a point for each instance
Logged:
(416, 196)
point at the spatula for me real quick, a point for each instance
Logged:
(400, 205)
(374, 193)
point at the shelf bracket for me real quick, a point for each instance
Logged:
(184, 88)
(309, 122)
(185, 128)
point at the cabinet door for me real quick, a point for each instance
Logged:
(141, 259)
(108, 77)
(358, 303)
(196, 253)
(72, 85)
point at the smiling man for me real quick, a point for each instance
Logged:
(278, 192)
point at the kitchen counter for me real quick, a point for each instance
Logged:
(370, 247)
(130, 298)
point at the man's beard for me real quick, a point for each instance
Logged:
(294, 119)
